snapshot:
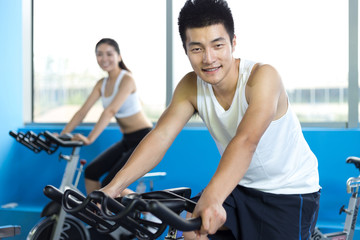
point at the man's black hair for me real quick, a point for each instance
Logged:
(202, 13)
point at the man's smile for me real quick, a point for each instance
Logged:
(209, 70)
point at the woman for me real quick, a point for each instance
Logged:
(120, 100)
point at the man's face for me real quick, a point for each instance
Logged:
(210, 52)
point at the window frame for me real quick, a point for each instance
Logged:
(353, 83)
(353, 86)
(27, 45)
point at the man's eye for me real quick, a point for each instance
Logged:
(196, 49)
(219, 45)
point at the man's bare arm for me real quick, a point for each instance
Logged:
(153, 147)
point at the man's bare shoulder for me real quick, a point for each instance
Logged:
(190, 76)
(188, 81)
(261, 70)
(186, 89)
(265, 83)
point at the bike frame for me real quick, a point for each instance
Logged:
(351, 215)
(352, 187)
(66, 183)
(50, 143)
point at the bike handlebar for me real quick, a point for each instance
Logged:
(44, 141)
(106, 214)
(63, 140)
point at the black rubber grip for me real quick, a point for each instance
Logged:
(172, 219)
(61, 142)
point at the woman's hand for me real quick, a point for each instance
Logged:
(82, 138)
(110, 192)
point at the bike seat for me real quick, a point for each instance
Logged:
(354, 160)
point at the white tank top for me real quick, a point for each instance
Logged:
(131, 105)
(283, 162)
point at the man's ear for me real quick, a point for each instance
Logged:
(233, 43)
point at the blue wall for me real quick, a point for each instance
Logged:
(192, 149)
(11, 103)
(190, 161)
(11, 75)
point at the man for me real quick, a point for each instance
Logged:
(266, 185)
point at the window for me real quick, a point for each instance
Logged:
(65, 67)
(307, 41)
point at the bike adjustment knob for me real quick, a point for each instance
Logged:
(342, 209)
(65, 157)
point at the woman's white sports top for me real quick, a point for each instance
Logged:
(131, 105)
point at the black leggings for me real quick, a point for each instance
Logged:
(114, 158)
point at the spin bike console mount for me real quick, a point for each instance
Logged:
(44, 141)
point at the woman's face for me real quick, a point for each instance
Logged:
(107, 58)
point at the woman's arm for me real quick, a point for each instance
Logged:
(85, 108)
(126, 87)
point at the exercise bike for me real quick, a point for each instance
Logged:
(55, 222)
(352, 187)
(106, 214)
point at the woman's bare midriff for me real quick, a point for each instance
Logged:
(134, 123)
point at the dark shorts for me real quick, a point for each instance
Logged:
(256, 215)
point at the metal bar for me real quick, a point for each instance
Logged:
(169, 51)
(353, 65)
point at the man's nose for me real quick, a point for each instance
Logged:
(208, 56)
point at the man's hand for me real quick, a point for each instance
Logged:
(213, 215)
